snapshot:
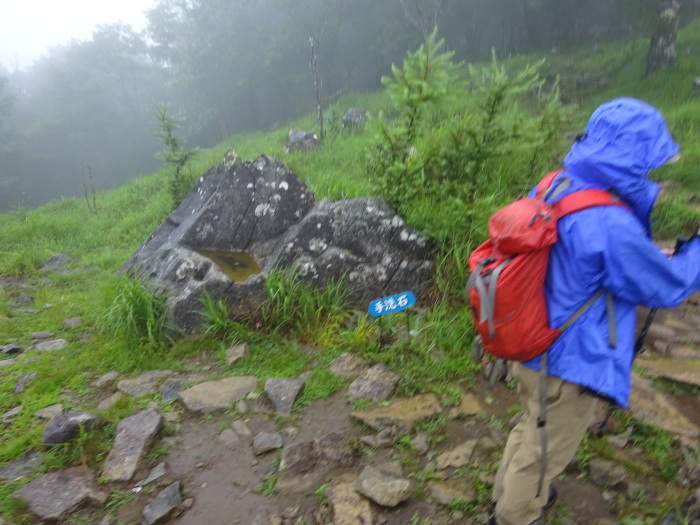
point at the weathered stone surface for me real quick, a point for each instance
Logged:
(41, 336)
(468, 406)
(49, 412)
(238, 352)
(649, 405)
(57, 261)
(298, 140)
(304, 464)
(163, 506)
(23, 380)
(171, 387)
(606, 473)
(54, 344)
(354, 118)
(65, 427)
(72, 323)
(243, 219)
(458, 457)
(266, 441)
(17, 469)
(621, 440)
(678, 370)
(10, 349)
(383, 489)
(347, 365)
(349, 508)
(446, 492)
(403, 412)
(7, 362)
(377, 384)
(108, 402)
(240, 428)
(156, 472)
(144, 383)
(106, 379)
(11, 414)
(134, 435)
(218, 395)
(56, 494)
(229, 438)
(283, 393)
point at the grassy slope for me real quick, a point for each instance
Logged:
(102, 241)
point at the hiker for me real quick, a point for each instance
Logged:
(605, 248)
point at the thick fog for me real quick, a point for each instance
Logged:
(83, 112)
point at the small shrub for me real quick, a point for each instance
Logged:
(174, 154)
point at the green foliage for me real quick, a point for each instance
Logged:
(268, 483)
(487, 147)
(316, 315)
(423, 82)
(137, 313)
(218, 322)
(174, 154)
(321, 384)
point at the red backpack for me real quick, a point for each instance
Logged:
(506, 286)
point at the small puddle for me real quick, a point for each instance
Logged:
(237, 266)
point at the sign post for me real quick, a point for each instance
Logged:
(390, 305)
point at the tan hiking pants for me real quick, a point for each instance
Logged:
(569, 414)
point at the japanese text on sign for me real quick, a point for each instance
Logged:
(389, 305)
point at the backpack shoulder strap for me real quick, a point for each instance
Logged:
(546, 182)
(581, 200)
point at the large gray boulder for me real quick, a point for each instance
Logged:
(244, 219)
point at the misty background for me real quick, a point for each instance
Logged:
(83, 113)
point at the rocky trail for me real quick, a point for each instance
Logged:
(218, 451)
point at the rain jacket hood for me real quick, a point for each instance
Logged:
(624, 140)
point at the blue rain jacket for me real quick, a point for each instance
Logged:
(611, 248)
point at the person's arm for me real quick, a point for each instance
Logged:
(639, 272)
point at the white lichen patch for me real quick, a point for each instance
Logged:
(307, 268)
(250, 185)
(397, 221)
(276, 197)
(284, 185)
(185, 270)
(317, 245)
(264, 209)
(204, 230)
(407, 236)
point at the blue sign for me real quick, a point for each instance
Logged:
(389, 305)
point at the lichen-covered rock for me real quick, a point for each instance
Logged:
(354, 118)
(299, 140)
(244, 219)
